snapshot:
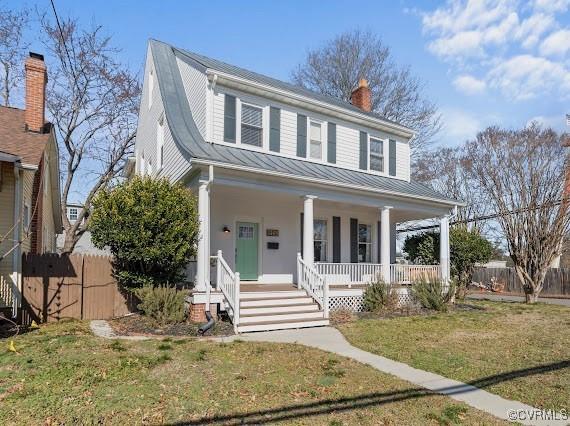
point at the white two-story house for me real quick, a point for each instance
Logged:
(299, 193)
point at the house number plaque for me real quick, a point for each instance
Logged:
(272, 232)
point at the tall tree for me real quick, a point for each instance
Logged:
(522, 176)
(335, 68)
(13, 47)
(93, 101)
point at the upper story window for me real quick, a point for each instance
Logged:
(26, 218)
(73, 213)
(160, 143)
(150, 87)
(316, 141)
(251, 125)
(376, 155)
(364, 243)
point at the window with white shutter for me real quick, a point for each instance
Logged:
(251, 125)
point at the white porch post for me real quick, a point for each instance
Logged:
(385, 242)
(444, 248)
(308, 233)
(203, 258)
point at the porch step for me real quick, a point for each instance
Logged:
(270, 309)
(279, 316)
(249, 295)
(275, 300)
(281, 325)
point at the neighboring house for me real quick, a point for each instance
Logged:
(279, 170)
(84, 245)
(30, 210)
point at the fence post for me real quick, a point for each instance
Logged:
(82, 283)
(326, 297)
(218, 269)
(298, 270)
(236, 302)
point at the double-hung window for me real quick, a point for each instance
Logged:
(364, 243)
(316, 142)
(320, 239)
(376, 155)
(73, 213)
(160, 143)
(251, 125)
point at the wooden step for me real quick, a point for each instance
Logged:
(281, 325)
(248, 295)
(284, 316)
(276, 301)
(301, 307)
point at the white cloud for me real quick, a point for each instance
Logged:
(466, 43)
(556, 44)
(525, 77)
(532, 28)
(557, 122)
(469, 85)
(552, 6)
(459, 126)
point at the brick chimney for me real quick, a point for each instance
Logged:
(36, 80)
(361, 97)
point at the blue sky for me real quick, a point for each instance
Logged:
(483, 62)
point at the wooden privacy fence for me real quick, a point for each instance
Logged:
(77, 286)
(556, 283)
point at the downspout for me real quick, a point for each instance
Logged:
(208, 325)
(16, 238)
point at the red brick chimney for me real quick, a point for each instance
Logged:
(36, 80)
(361, 96)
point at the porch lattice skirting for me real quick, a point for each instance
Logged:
(349, 303)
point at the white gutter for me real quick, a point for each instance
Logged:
(16, 238)
(384, 125)
(324, 182)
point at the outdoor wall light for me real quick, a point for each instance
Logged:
(226, 229)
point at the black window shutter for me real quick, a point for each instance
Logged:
(331, 145)
(353, 240)
(336, 239)
(301, 135)
(229, 118)
(274, 129)
(392, 157)
(302, 225)
(363, 151)
(379, 235)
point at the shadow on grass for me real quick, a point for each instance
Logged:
(337, 405)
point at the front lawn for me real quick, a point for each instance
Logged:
(63, 375)
(518, 351)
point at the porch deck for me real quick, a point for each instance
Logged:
(249, 287)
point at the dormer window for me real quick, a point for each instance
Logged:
(73, 213)
(376, 155)
(251, 125)
(316, 143)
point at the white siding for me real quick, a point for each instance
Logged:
(195, 85)
(175, 164)
(348, 135)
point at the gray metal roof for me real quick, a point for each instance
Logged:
(188, 138)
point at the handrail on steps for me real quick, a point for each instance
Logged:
(229, 283)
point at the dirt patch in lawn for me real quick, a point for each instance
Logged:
(140, 325)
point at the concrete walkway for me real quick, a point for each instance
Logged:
(509, 298)
(331, 340)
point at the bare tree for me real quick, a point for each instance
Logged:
(335, 68)
(522, 175)
(12, 51)
(93, 102)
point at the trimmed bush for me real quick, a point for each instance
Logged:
(433, 294)
(163, 304)
(379, 296)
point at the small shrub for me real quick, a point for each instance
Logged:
(163, 304)
(379, 296)
(432, 294)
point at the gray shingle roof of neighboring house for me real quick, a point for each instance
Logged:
(189, 139)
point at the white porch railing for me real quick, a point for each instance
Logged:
(407, 274)
(349, 273)
(228, 283)
(313, 283)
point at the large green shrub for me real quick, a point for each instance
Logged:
(164, 304)
(150, 226)
(433, 294)
(379, 296)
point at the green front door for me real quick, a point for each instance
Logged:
(247, 250)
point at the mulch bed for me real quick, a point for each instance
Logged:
(140, 325)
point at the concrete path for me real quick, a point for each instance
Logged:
(331, 340)
(508, 298)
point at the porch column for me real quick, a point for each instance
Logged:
(308, 233)
(203, 257)
(444, 248)
(385, 242)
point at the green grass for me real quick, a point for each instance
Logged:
(63, 375)
(469, 346)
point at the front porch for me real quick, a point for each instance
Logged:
(272, 240)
